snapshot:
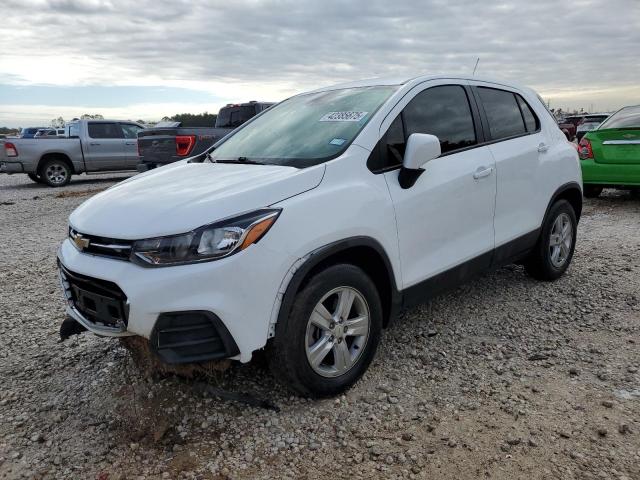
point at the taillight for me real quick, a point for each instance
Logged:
(184, 144)
(10, 149)
(584, 149)
(138, 147)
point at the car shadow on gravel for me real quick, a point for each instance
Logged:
(75, 182)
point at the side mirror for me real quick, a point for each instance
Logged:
(421, 148)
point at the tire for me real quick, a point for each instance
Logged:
(549, 261)
(55, 172)
(343, 358)
(592, 191)
(35, 178)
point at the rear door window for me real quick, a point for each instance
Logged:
(105, 130)
(503, 113)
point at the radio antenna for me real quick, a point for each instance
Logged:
(474, 68)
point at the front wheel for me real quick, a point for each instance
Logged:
(331, 335)
(553, 252)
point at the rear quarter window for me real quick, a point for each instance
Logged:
(530, 119)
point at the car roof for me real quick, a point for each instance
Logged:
(413, 80)
(98, 120)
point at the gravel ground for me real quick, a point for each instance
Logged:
(503, 378)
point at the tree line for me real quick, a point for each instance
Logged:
(193, 120)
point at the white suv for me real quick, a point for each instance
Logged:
(309, 227)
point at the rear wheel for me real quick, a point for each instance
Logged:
(592, 191)
(553, 252)
(331, 334)
(35, 178)
(55, 172)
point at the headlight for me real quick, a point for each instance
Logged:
(210, 242)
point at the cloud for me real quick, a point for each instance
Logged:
(279, 47)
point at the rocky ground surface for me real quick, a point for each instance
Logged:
(503, 378)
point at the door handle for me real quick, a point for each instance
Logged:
(94, 144)
(130, 143)
(543, 147)
(482, 172)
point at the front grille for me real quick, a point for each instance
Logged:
(103, 246)
(99, 301)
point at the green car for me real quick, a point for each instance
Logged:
(610, 154)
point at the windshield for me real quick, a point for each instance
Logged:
(628, 117)
(305, 130)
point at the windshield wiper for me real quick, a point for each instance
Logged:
(241, 160)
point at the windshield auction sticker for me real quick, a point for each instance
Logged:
(343, 116)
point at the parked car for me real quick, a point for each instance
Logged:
(568, 128)
(569, 125)
(29, 132)
(48, 133)
(169, 142)
(610, 154)
(588, 123)
(93, 146)
(308, 228)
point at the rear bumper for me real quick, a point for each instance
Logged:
(609, 173)
(11, 167)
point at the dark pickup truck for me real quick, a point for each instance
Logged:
(169, 142)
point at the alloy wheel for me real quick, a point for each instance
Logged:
(560, 240)
(337, 332)
(56, 173)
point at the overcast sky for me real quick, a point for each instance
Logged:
(151, 58)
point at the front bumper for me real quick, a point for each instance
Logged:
(240, 290)
(11, 167)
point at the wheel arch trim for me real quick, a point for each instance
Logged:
(567, 187)
(53, 155)
(303, 266)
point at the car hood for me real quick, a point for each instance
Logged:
(177, 199)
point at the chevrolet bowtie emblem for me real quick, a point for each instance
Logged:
(80, 241)
(629, 135)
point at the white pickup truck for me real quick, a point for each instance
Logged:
(92, 146)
